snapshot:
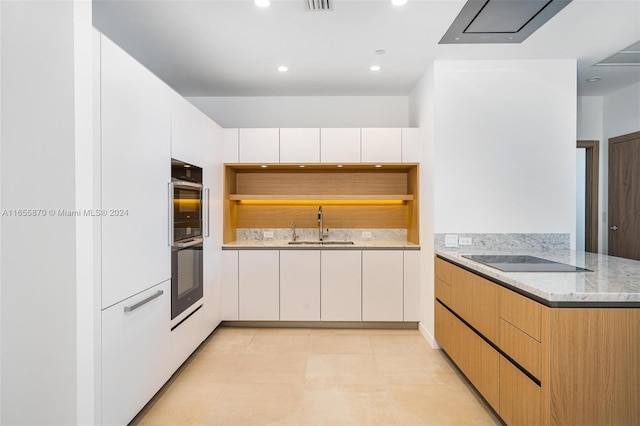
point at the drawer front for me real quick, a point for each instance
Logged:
(521, 312)
(524, 349)
(519, 397)
(442, 269)
(475, 357)
(443, 291)
(476, 300)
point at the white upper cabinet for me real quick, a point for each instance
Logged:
(135, 173)
(381, 145)
(339, 145)
(187, 131)
(299, 145)
(231, 149)
(259, 145)
(411, 145)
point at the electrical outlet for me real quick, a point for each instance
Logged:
(366, 234)
(267, 234)
(451, 240)
(464, 241)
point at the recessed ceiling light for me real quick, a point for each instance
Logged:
(283, 68)
(399, 2)
(374, 68)
(262, 3)
(301, 166)
(378, 165)
(381, 52)
(264, 166)
(594, 79)
(339, 166)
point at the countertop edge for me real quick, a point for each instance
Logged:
(569, 300)
(320, 247)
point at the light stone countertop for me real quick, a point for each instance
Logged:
(614, 282)
(270, 244)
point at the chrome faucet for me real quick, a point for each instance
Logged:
(321, 233)
(293, 228)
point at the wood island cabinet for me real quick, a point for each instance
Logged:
(535, 364)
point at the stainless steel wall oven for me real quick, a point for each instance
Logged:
(187, 228)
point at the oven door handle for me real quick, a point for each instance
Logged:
(190, 243)
(187, 185)
(206, 207)
(170, 202)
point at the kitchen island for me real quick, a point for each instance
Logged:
(545, 348)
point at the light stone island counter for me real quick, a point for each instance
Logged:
(544, 348)
(612, 281)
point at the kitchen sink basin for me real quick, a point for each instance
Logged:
(320, 243)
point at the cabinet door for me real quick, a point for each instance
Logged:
(341, 285)
(382, 145)
(230, 285)
(187, 131)
(340, 145)
(300, 285)
(135, 150)
(382, 282)
(135, 353)
(520, 397)
(411, 285)
(185, 338)
(259, 285)
(259, 145)
(299, 145)
(411, 145)
(231, 148)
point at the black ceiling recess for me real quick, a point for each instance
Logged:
(500, 21)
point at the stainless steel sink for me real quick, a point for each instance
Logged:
(320, 243)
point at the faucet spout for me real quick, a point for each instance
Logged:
(321, 233)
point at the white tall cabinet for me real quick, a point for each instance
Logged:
(135, 173)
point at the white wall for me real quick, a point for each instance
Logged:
(306, 111)
(422, 116)
(505, 141)
(39, 283)
(590, 128)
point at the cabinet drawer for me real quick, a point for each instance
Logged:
(475, 357)
(519, 397)
(524, 349)
(521, 312)
(442, 270)
(442, 291)
(476, 300)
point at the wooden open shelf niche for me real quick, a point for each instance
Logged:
(352, 196)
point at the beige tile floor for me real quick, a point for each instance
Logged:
(254, 376)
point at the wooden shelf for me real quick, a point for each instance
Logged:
(329, 197)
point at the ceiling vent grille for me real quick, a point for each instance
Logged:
(319, 5)
(628, 56)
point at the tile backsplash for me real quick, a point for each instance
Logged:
(335, 234)
(507, 241)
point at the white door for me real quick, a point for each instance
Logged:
(382, 282)
(338, 145)
(299, 145)
(259, 285)
(259, 145)
(341, 285)
(381, 145)
(300, 285)
(135, 150)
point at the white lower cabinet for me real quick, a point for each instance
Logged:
(341, 283)
(382, 285)
(259, 285)
(230, 285)
(300, 285)
(185, 338)
(135, 352)
(411, 285)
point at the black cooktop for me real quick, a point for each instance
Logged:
(523, 263)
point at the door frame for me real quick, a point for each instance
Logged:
(592, 150)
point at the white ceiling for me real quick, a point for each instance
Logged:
(232, 47)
